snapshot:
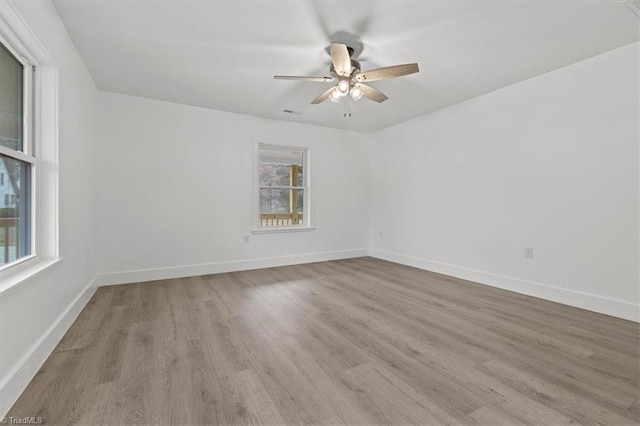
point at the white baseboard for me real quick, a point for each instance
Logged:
(16, 381)
(126, 277)
(591, 302)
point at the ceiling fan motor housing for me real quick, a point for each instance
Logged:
(355, 69)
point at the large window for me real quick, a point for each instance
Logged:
(17, 160)
(28, 153)
(283, 187)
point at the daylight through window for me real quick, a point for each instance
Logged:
(283, 186)
(16, 158)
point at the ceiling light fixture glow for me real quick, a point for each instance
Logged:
(335, 96)
(343, 88)
(356, 93)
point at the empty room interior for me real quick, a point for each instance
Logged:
(319, 212)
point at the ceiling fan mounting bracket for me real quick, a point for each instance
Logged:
(350, 50)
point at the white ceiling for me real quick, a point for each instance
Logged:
(223, 54)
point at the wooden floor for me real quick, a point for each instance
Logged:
(358, 341)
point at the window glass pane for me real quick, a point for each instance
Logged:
(280, 200)
(10, 100)
(286, 157)
(299, 177)
(280, 175)
(300, 202)
(274, 201)
(274, 175)
(281, 207)
(14, 210)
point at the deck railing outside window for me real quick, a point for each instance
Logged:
(9, 240)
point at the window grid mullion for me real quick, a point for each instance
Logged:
(281, 187)
(17, 155)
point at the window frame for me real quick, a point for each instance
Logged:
(28, 152)
(40, 145)
(306, 188)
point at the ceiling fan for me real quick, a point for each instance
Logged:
(350, 78)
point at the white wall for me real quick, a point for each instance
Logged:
(34, 315)
(176, 191)
(550, 162)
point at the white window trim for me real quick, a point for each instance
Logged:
(19, 38)
(257, 227)
(279, 229)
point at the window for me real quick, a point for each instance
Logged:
(283, 190)
(17, 161)
(28, 153)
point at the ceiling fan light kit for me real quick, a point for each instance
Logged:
(342, 88)
(350, 78)
(356, 92)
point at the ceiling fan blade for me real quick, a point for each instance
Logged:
(387, 72)
(296, 77)
(340, 59)
(371, 93)
(323, 96)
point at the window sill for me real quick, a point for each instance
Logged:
(283, 229)
(12, 280)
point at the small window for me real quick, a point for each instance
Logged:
(283, 188)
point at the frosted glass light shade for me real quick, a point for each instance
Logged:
(356, 93)
(343, 87)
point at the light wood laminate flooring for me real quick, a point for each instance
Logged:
(358, 341)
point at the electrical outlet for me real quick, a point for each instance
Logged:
(528, 252)
(246, 239)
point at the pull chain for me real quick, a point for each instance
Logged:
(347, 108)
